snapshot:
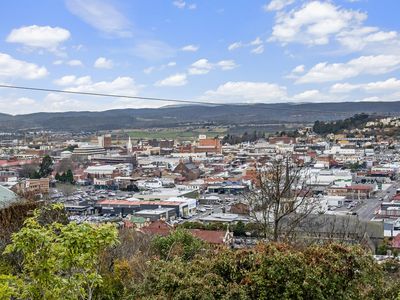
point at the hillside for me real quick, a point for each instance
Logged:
(180, 115)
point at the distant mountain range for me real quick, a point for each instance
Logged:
(195, 114)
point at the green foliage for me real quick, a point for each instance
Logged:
(271, 271)
(59, 260)
(357, 121)
(179, 243)
(65, 177)
(383, 247)
(246, 137)
(7, 287)
(45, 168)
(239, 229)
(71, 148)
(356, 166)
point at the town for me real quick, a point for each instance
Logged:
(154, 185)
(199, 150)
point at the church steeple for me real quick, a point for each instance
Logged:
(129, 146)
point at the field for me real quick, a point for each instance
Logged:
(175, 133)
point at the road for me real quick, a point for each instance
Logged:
(366, 211)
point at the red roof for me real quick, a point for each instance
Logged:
(360, 187)
(15, 163)
(209, 236)
(396, 241)
(157, 228)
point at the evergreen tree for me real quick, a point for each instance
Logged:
(46, 166)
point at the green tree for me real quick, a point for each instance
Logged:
(69, 177)
(239, 229)
(269, 271)
(59, 260)
(179, 243)
(46, 166)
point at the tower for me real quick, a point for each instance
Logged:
(129, 146)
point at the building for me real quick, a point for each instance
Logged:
(208, 145)
(7, 197)
(188, 170)
(125, 207)
(87, 151)
(166, 214)
(32, 186)
(105, 141)
(114, 159)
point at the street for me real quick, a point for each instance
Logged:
(366, 210)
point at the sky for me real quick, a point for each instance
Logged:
(219, 51)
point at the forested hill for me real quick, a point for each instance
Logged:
(179, 115)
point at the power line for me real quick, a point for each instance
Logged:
(157, 99)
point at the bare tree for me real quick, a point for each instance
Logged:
(64, 165)
(281, 198)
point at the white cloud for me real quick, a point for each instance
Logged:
(103, 63)
(343, 88)
(69, 80)
(25, 101)
(277, 5)
(235, 45)
(307, 95)
(190, 48)
(12, 105)
(372, 65)
(34, 36)
(13, 68)
(314, 23)
(258, 50)
(298, 69)
(151, 69)
(257, 44)
(391, 84)
(246, 92)
(74, 63)
(101, 15)
(320, 22)
(153, 50)
(120, 85)
(58, 62)
(182, 4)
(179, 4)
(203, 66)
(359, 38)
(179, 79)
(226, 65)
(61, 102)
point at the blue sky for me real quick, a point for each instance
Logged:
(213, 51)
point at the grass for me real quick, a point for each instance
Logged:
(175, 133)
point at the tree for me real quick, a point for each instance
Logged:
(268, 271)
(46, 166)
(28, 170)
(281, 199)
(69, 177)
(179, 242)
(59, 260)
(239, 229)
(64, 165)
